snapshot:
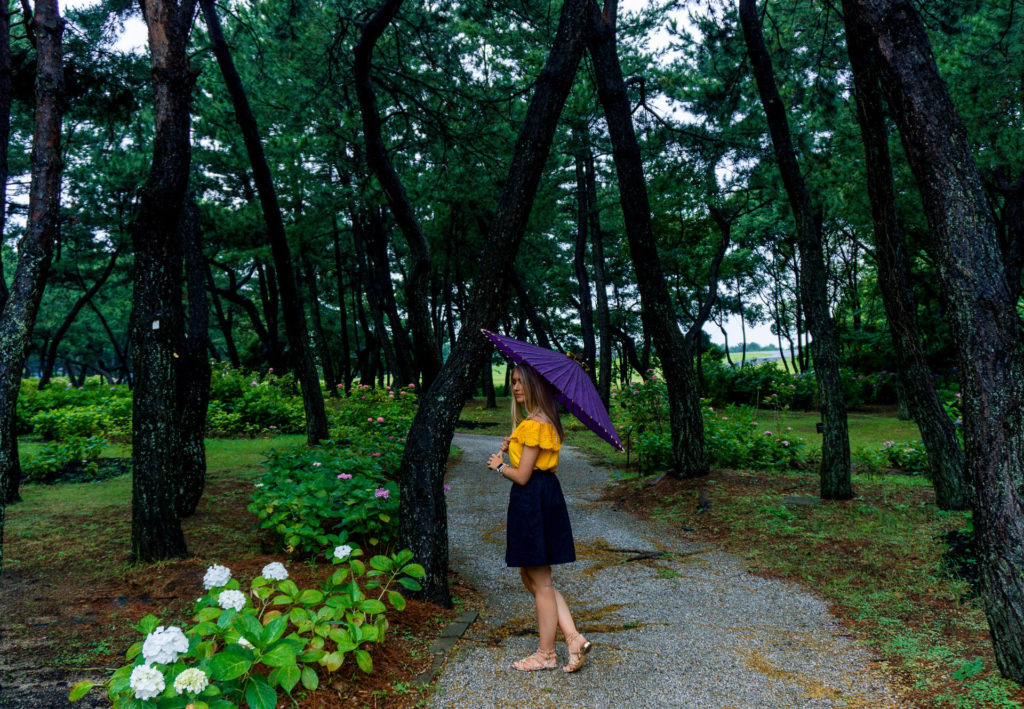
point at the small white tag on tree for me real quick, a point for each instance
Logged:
(156, 324)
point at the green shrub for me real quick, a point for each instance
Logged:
(56, 457)
(309, 497)
(909, 457)
(242, 649)
(733, 436)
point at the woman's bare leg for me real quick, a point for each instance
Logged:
(565, 622)
(545, 598)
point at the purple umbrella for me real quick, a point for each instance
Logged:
(573, 387)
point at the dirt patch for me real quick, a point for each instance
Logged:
(69, 599)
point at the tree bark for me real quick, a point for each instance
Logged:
(380, 282)
(945, 456)
(658, 314)
(346, 352)
(604, 378)
(319, 336)
(382, 343)
(294, 318)
(580, 265)
(49, 356)
(193, 367)
(222, 320)
(35, 250)
(157, 327)
(835, 445)
(980, 308)
(5, 131)
(417, 301)
(423, 526)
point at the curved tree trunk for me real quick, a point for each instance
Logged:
(835, 444)
(417, 301)
(945, 455)
(294, 318)
(658, 313)
(35, 250)
(157, 326)
(981, 310)
(49, 357)
(604, 378)
(423, 525)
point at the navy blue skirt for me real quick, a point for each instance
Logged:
(538, 529)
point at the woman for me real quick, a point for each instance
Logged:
(538, 530)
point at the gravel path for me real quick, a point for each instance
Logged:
(684, 627)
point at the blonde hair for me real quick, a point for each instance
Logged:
(539, 397)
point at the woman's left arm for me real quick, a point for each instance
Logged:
(522, 474)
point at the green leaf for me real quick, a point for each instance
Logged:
(231, 662)
(364, 661)
(358, 567)
(250, 629)
(332, 661)
(371, 605)
(288, 586)
(288, 677)
(226, 618)
(309, 679)
(148, 624)
(411, 584)
(381, 563)
(274, 630)
(223, 704)
(298, 615)
(259, 694)
(133, 651)
(310, 597)
(414, 570)
(311, 656)
(279, 656)
(207, 614)
(282, 600)
(80, 690)
(396, 600)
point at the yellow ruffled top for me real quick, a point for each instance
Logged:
(540, 435)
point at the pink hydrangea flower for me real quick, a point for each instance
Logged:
(345, 476)
(382, 492)
(380, 419)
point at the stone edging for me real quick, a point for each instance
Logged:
(444, 643)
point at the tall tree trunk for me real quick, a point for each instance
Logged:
(294, 318)
(380, 282)
(423, 526)
(346, 352)
(417, 301)
(119, 349)
(5, 130)
(604, 378)
(945, 456)
(193, 366)
(835, 445)
(658, 314)
(374, 296)
(222, 320)
(319, 336)
(156, 330)
(580, 265)
(270, 301)
(49, 354)
(35, 250)
(980, 309)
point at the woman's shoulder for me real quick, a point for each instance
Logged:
(542, 434)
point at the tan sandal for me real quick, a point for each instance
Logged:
(577, 656)
(540, 660)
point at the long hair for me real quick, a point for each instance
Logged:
(539, 397)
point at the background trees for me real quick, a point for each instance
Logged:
(378, 288)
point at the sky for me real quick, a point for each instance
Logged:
(133, 38)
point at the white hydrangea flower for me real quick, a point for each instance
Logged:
(246, 644)
(231, 599)
(164, 645)
(192, 680)
(342, 552)
(216, 576)
(148, 682)
(275, 571)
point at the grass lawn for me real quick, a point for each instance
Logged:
(70, 596)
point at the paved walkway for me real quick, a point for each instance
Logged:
(674, 621)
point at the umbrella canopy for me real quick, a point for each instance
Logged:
(573, 387)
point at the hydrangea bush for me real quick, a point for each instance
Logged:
(311, 497)
(243, 649)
